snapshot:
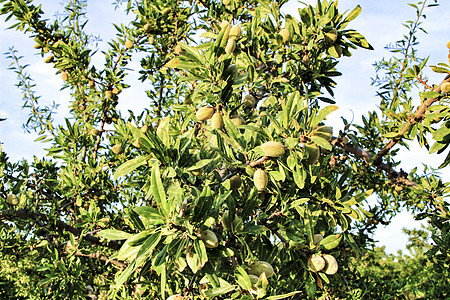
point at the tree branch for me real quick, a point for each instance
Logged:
(367, 157)
(24, 213)
(418, 117)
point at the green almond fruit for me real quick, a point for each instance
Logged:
(316, 263)
(209, 238)
(224, 24)
(331, 36)
(317, 238)
(217, 121)
(260, 179)
(214, 142)
(37, 46)
(109, 94)
(205, 113)
(230, 73)
(231, 46)
(12, 199)
(253, 279)
(117, 149)
(128, 44)
(286, 35)
(324, 135)
(313, 153)
(94, 132)
(235, 182)
(226, 2)
(326, 129)
(259, 267)
(226, 222)
(144, 128)
(235, 32)
(64, 76)
(445, 87)
(49, 59)
(249, 101)
(273, 149)
(331, 265)
(237, 120)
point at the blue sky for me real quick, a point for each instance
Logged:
(380, 22)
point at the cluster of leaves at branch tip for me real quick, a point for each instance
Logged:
(226, 222)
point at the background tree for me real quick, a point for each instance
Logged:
(230, 183)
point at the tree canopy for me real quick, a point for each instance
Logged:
(230, 183)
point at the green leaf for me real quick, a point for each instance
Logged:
(219, 291)
(242, 278)
(147, 248)
(282, 296)
(151, 214)
(130, 165)
(321, 142)
(113, 234)
(125, 275)
(323, 113)
(331, 241)
(200, 164)
(353, 14)
(158, 189)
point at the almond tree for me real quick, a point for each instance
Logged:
(231, 183)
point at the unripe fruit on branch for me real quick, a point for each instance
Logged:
(259, 267)
(217, 121)
(448, 45)
(205, 113)
(253, 279)
(224, 24)
(175, 297)
(286, 35)
(209, 238)
(231, 46)
(331, 36)
(64, 76)
(331, 265)
(178, 50)
(115, 91)
(325, 132)
(144, 128)
(317, 238)
(235, 32)
(316, 263)
(109, 94)
(49, 59)
(230, 73)
(146, 28)
(117, 149)
(128, 44)
(94, 132)
(214, 142)
(235, 182)
(249, 101)
(273, 149)
(226, 222)
(445, 87)
(237, 120)
(12, 199)
(260, 179)
(313, 153)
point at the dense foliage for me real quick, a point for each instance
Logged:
(230, 184)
